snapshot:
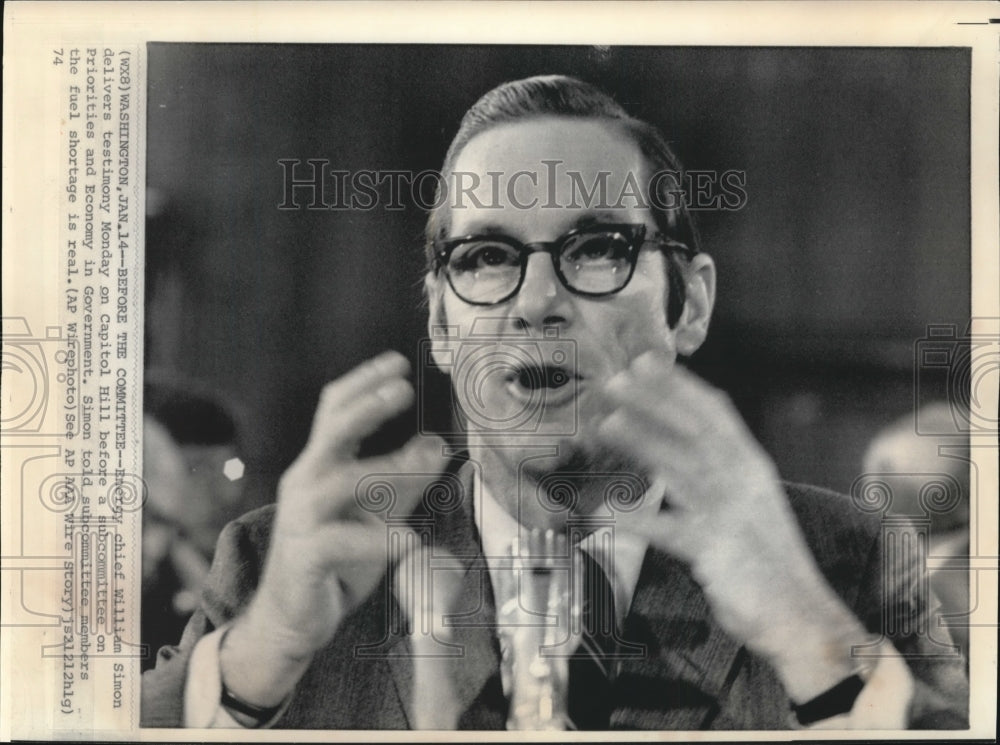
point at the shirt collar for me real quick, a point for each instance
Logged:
(498, 529)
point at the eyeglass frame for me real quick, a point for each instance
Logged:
(636, 232)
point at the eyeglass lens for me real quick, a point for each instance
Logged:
(487, 270)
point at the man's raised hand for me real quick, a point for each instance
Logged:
(326, 552)
(727, 516)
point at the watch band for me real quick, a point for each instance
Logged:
(837, 700)
(260, 714)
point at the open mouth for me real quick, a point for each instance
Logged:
(547, 376)
(557, 383)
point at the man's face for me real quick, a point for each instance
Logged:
(597, 336)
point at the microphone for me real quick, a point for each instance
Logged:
(533, 622)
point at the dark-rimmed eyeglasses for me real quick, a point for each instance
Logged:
(593, 261)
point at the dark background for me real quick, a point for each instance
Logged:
(855, 236)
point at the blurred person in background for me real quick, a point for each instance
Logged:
(194, 477)
(917, 462)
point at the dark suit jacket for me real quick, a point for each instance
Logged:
(692, 676)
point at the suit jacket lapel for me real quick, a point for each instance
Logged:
(688, 660)
(476, 668)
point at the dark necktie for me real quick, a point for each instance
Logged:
(591, 668)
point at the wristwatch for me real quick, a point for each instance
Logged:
(259, 714)
(839, 699)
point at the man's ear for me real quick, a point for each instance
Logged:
(437, 322)
(699, 287)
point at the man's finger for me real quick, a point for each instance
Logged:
(651, 438)
(679, 461)
(338, 432)
(654, 363)
(366, 491)
(365, 377)
(657, 411)
(418, 463)
(394, 483)
(346, 547)
(650, 379)
(664, 530)
(421, 454)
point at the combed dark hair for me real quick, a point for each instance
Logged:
(560, 95)
(192, 417)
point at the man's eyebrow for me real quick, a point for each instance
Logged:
(489, 228)
(596, 218)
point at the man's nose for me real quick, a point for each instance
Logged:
(542, 299)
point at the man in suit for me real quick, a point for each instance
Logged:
(564, 281)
